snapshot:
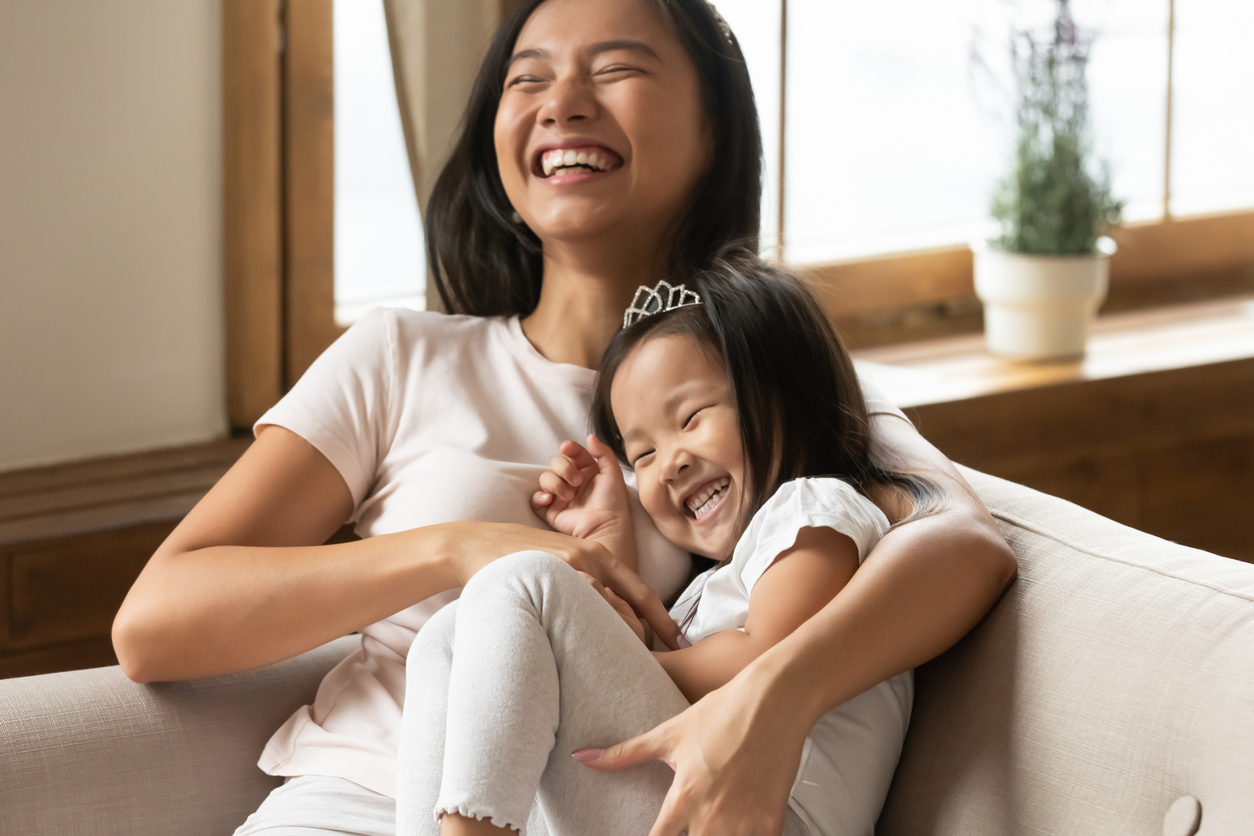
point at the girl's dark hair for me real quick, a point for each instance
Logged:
(798, 402)
(485, 264)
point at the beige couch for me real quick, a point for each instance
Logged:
(1110, 692)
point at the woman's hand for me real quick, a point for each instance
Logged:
(471, 545)
(735, 754)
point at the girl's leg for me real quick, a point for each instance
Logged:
(420, 764)
(540, 665)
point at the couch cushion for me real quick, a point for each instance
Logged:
(92, 752)
(1114, 677)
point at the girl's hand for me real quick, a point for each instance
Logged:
(470, 545)
(583, 493)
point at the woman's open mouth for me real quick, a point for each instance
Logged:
(705, 499)
(585, 160)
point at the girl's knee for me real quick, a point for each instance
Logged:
(435, 638)
(520, 569)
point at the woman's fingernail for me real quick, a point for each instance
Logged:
(683, 642)
(586, 754)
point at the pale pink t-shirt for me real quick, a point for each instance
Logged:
(430, 418)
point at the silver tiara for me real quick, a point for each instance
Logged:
(651, 300)
(722, 24)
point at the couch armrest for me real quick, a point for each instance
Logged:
(91, 751)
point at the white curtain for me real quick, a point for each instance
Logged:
(437, 46)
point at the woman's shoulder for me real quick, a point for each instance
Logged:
(444, 330)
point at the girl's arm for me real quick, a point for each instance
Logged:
(244, 581)
(923, 586)
(795, 587)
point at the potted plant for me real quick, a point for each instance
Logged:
(1043, 277)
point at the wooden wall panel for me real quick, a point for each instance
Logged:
(71, 588)
(252, 177)
(95, 652)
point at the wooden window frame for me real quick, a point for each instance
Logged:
(279, 224)
(279, 189)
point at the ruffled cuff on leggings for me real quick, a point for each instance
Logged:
(465, 810)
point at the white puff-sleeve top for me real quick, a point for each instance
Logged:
(849, 757)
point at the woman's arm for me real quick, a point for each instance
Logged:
(797, 585)
(244, 581)
(924, 585)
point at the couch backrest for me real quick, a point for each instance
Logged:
(1115, 678)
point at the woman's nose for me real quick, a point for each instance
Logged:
(569, 100)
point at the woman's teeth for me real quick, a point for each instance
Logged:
(704, 500)
(558, 158)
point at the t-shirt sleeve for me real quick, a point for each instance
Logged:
(877, 403)
(340, 405)
(808, 503)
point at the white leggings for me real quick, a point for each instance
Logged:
(528, 665)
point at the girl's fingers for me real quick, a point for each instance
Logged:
(647, 605)
(577, 454)
(603, 457)
(541, 499)
(551, 483)
(566, 469)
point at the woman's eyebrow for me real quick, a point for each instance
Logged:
(631, 46)
(595, 49)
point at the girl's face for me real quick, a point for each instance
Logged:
(600, 126)
(674, 407)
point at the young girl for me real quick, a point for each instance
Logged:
(740, 416)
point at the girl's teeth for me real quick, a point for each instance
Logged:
(570, 157)
(704, 501)
(582, 158)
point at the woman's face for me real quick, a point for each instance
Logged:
(600, 127)
(674, 408)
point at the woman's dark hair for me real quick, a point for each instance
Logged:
(485, 264)
(798, 402)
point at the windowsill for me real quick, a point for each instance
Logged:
(958, 368)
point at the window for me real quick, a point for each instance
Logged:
(379, 256)
(894, 134)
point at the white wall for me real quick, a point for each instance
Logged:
(111, 335)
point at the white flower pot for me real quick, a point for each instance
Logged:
(1039, 307)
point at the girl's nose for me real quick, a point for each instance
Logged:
(676, 462)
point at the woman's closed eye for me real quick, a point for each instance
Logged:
(524, 79)
(617, 70)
